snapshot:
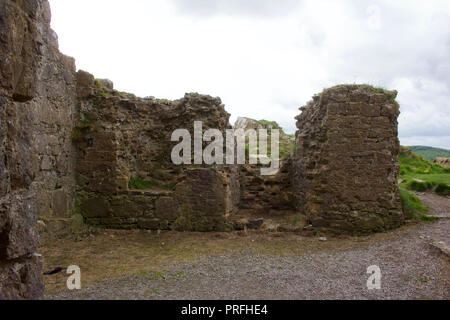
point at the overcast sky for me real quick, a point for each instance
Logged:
(266, 58)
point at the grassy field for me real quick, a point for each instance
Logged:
(419, 174)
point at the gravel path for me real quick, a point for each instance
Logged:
(439, 205)
(411, 269)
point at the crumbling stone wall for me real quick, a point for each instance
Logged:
(71, 143)
(261, 194)
(120, 137)
(36, 160)
(346, 160)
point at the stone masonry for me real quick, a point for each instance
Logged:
(72, 146)
(121, 138)
(37, 103)
(347, 160)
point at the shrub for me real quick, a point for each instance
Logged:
(442, 189)
(420, 186)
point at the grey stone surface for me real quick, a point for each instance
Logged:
(37, 103)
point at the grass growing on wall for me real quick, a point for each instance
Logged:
(140, 183)
(82, 129)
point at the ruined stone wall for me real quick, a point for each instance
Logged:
(260, 194)
(346, 160)
(72, 144)
(264, 193)
(121, 138)
(36, 157)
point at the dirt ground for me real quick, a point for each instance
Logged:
(439, 206)
(255, 265)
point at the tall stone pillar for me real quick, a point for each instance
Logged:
(346, 161)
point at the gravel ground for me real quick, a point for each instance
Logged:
(411, 269)
(439, 206)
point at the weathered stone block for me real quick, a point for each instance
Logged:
(201, 199)
(19, 53)
(19, 235)
(346, 160)
(166, 208)
(149, 223)
(106, 84)
(85, 84)
(95, 208)
(21, 279)
(60, 204)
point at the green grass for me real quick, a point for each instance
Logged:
(420, 186)
(98, 83)
(140, 184)
(423, 279)
(421, 175)
(273, 124)
(391, 94)
(152, 292)
(285, 148)
(442, 189)
(411, 203)
(413, 207)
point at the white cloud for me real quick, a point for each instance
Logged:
(267, 58)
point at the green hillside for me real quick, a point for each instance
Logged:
(430, 153)
(419, 174)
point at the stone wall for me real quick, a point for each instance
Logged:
(72, 144)
(346, 161)
(121, 138)
(37, 103)
(261, 194)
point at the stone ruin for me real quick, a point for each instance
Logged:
(346, 160)
(120, 138)
(74, 149)
(445, 162)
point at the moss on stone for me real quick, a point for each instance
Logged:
(183, 224)
(82, 129)
(140, 183)
(77, 224)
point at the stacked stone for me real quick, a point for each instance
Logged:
(260, 194)
(35, 108)
(120, 137)
(347, 160)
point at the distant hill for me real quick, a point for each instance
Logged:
(431, 153)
